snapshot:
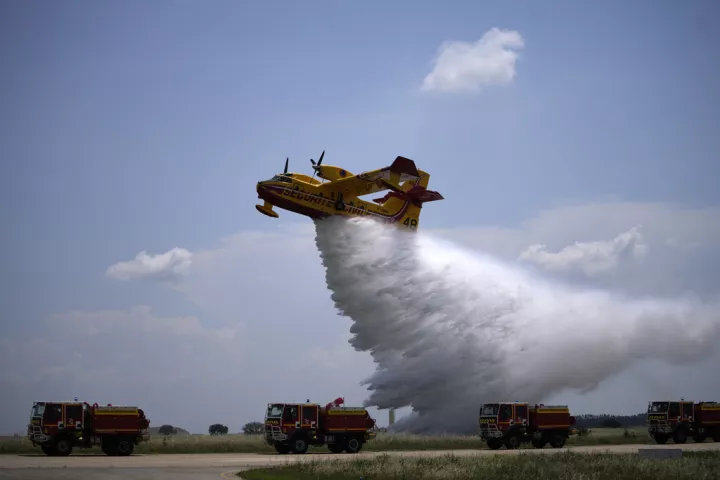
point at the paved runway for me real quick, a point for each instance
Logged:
(218, 466)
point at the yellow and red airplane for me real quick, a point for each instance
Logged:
(340, 192)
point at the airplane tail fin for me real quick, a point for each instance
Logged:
(410, 197)
(403, 165)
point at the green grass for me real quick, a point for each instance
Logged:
(561, 466)
(383, 442)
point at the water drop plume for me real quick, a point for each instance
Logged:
(451, 328)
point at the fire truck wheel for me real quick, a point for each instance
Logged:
(353, 445)
(124, 447)
(47, 449)
(697, 438)
(299, 445)
(716, 436)
(557, 440)
(512, 442)
(680, 435)
(494, 444)
(63, 447)
(538, 443)
(282, 449)
(660, 439)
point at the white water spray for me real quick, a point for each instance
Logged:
(450, 329)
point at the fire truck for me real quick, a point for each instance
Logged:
(682, 419)
(59, 427)
(513, 423)
(293, 427)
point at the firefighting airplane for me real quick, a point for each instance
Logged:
(339, 193)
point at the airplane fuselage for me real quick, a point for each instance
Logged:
(307, 199)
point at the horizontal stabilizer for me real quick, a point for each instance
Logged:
(423, 195)
(417, 195)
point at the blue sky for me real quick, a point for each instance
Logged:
(130, 126)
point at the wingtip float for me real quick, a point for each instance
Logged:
(339, 192)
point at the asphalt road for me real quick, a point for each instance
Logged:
(219, 466)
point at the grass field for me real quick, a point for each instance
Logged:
(384, 442)
(563, 466)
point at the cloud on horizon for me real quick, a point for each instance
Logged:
(591, 258)
(167, 267)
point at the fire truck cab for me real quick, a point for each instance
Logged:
(670, 419)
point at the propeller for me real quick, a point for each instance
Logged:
(316, 166)
(286, 164)
(319, 161)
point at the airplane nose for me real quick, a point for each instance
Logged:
(261, 189)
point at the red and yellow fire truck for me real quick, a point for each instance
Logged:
(682, 419)
(513, 423)
(58, 427)
(293, 427)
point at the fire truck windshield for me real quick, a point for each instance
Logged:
(38, 410)
(275, 411)
(658, 407)
(490, 409)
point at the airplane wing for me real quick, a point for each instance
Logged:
(401, 170)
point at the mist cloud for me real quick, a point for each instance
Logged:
(450, 329)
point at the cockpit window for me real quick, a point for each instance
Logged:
(281, 178)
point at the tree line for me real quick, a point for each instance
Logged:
(610, 421)
(251, 428)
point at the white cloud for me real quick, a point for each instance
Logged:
(592, 258)
(466, 67)
(168, 266)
